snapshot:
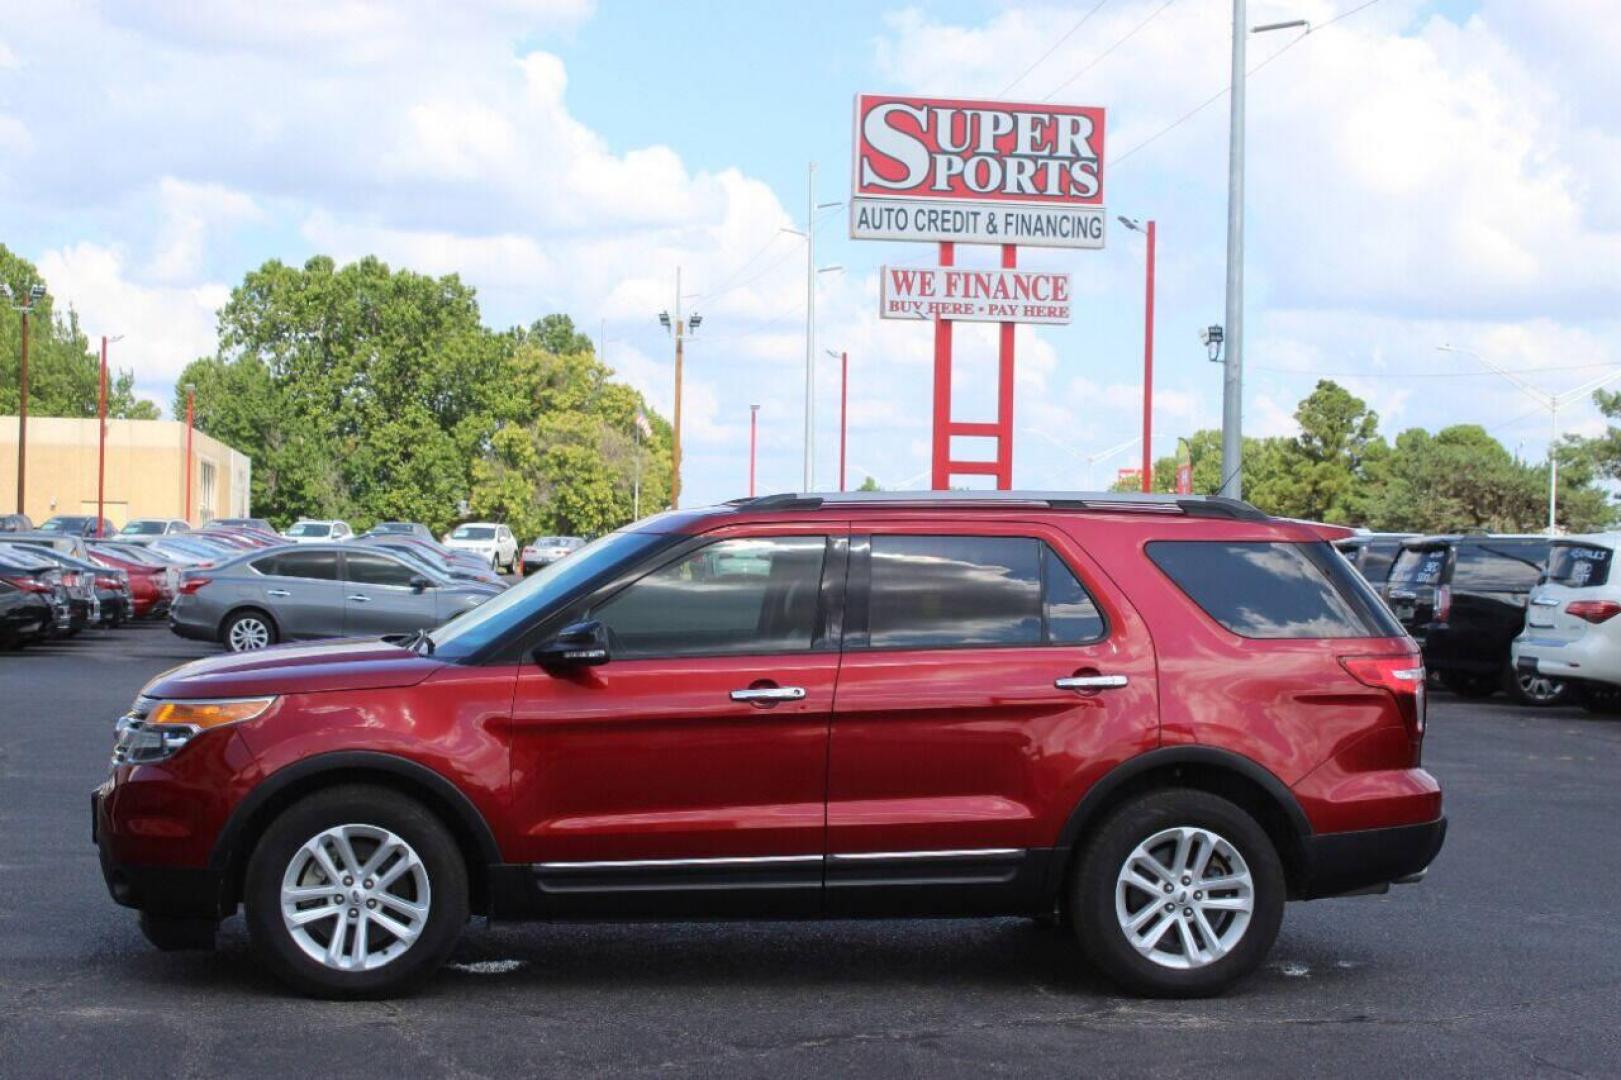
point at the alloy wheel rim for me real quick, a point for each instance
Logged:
(1184, 898)
(249, 633)
(355, 897)
(1539, 687)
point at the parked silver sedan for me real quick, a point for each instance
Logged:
(315, 591)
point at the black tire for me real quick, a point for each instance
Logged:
(172, 933)
(1538, 691)
(1098, 865)
(1601, 699)
(351, 805)
(1469, 684)
(238, 621)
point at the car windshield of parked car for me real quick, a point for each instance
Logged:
(64, 524)
(519, 605)
(383, 528)
(473, 532)
(310, 528)
(142, 528)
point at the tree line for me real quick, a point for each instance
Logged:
(1340, 469)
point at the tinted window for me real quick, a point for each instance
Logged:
(733, 596)
(1578, 566)
(1261, 589)
(317, 565)
(1072, 616)
(941, 591)
(473, 532)
(1500, 565)
(377, 570)
(1418, 568)
(310, 528)
(143, 528)
(1377, 558)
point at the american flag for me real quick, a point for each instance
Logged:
(642, 425)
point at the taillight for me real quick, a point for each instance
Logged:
(71, 579)
(28, 584)
(1402, 676)
(1443, 603)
(1593, 611)
(191, 585)
(107, 582)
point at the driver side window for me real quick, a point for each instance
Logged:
(732, 597)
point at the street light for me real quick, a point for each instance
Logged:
(811, 271)
(36, 293)
(1553, 402)
(844, 407)
(1232, 382)
(1148, 352)
(101, 436)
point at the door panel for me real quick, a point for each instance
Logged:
(304, 606)
(376, 601)
(967, 761)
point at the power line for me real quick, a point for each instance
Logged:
(1105, 53)
(1219, 94)
(1042, 58)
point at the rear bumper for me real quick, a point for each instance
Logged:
(1337, 863)
(192, 630)
(1591, 657)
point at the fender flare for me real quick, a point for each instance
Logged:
(467, 817)
(1104, 789)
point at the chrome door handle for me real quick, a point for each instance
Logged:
(357, 598)
(770, 693)
(1091, 682)
(277, 592)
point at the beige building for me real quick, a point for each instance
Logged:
(146, 470)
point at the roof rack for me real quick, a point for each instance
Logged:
(1208, 506)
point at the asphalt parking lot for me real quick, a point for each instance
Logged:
(1506, 961)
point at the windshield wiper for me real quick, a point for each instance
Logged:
(416, 640)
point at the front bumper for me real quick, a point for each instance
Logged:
(159, 890)
(1339, 863)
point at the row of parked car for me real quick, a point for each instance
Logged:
(1528, 615)
(239, 582)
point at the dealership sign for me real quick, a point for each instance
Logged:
(1030, 296)
(945, 169)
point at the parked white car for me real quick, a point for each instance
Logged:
(489, 540)
(145, 530)
(545, 550)
(1571, 629)
(309, 531)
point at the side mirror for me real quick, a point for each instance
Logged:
(420, 583)
(584, 644)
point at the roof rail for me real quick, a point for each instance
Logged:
(1208, 506)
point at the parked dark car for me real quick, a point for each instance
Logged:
(25, 614)
(1463, 598)
(15, 523)
(110, 585)
(1373, 553)
(33, 574)
(78, 525)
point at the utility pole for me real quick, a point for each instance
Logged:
(843, 357)
(1148, 355)
(101, 443)
(1232, 382)
(810, 330)
(681, 326)
(191, 418)
(754, 437)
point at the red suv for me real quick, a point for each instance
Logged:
(1153, 718)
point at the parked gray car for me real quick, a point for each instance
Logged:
(315, 591)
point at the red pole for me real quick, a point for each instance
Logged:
(1004, 393)
(22, 419)
(754, 429)
(191, 401)
(1148, 369)
(101, 448)
(844, 410)
(941, 466)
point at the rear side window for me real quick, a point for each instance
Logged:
(316, 565)
(1266, 589)
(377, 570)
(1418, 568)
(1500, 565)
(1377, 558)
(1578, 566)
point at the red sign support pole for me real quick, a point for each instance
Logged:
(1000, 429)
(1148, 371)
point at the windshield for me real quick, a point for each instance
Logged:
(64, 524)
(142, 528)
(393, 527)
(473, 532)
(310, 528)
(537, 593)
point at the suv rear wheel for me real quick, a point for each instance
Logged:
(355, 891)
(1529, 688)
(1178, 894)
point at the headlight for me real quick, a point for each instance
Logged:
(156, 731)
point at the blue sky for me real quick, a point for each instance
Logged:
(1420, 173)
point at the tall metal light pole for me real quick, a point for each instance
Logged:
(1553, 403)
(36, 293)
(1232, 382)
(681, 326)
(101, 437)
(811, 270)
(1148, 355)
(754, 435)
(191, 418)
(843, 357)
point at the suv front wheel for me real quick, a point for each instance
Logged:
(355, 891)
(1179, 893)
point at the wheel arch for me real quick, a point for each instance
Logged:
(286, 786)
(1231, 776)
